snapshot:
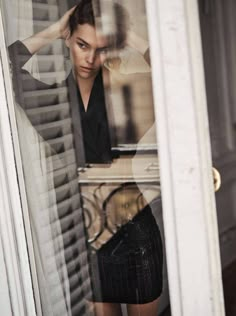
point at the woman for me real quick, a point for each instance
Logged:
(130, 263)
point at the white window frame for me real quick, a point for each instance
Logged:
(191, 231)
(14, 264)
(189, 211)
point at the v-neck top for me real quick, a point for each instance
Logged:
(94, 123)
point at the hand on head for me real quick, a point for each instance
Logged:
(63, 24)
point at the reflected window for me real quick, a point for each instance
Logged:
(82, 83)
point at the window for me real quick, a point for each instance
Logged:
(85, 123)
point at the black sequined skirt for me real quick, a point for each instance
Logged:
(128, 268)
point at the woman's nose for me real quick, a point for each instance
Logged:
(91, 57)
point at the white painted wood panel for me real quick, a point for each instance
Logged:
(189, 212)
(5, 301)
(12, 229)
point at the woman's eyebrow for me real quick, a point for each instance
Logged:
(87, 44)
(103, 47)
(84, 42)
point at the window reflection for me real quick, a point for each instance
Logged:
(83, 101)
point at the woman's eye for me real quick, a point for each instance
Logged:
(82, 45)
(103, 51)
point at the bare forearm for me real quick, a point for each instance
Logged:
(140, 44)
(135, 41)
(43, 38)
(60, 29)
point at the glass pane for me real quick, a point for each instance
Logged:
(220, 76)
(82, 83)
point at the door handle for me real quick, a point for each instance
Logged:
(216, 179)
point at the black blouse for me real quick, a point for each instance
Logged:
(95, 124)
(90, 128)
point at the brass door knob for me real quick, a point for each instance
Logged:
(216, 179)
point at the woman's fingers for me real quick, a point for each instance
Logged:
(64, 23)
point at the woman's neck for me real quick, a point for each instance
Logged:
(85, 87)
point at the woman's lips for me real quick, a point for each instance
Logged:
(86, 69)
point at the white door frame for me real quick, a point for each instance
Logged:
(14, 259)
(189, 212)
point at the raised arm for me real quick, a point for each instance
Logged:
(59, 29)
(139, 44)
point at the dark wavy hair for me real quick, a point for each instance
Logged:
(87, 11)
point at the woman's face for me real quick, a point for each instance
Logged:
(88, 51)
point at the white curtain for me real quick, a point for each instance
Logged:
(45, 225)
(18, 24)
